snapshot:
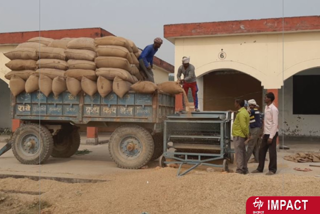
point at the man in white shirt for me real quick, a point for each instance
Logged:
(270, 135)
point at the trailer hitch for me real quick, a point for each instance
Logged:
(6, 148)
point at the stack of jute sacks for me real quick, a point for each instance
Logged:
(81, 74)
(116, 62)
(23, 65)
(100, 65)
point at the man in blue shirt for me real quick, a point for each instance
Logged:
(255, 131)
(146, 58)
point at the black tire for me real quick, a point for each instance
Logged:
(158, 146)
(131, 147)
(66, 143)
(32, 144)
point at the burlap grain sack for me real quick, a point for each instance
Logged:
(82, 43)
(114, 51)
(58, 85)
(134, 60)
(49, 72)
(170, 87)
(52, 63)
(134, 70)
(134, 79)
(80, 54)
(112, 62)
(81, 64)
(33, 45)
(45, 85)
(138, 53)
(111, 73)
(88, 86)
(41, 40)
(32, 84)
(59, 43)
(133, 46)
(51, 53)
(120, 86)
(73, 86)
(21, 64)
(22, 74)
(79, 73)
(104, 86)
(17, 85)
(22, 53)
(145, 87)
(113, 40)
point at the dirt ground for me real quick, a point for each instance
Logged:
(151, 190)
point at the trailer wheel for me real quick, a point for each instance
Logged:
(162, 160)
(66, 143)
(158, 146)
(131, 147)
(32, 144)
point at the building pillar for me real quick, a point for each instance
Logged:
(92, 135)
(16, 123)
(276, 103)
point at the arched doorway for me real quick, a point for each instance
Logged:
(5, 116)
(222, 87)
(299, 108)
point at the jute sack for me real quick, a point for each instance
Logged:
(134, 60)
(51, 73)
(111, 73)
(62, 43)
(145, 87)
(134, 79)
(45, 85)
(139, 76)
(73, 86)
(52, 63)
(16, 85)
(81, 64)
(82, 43)
(88, 86)
(33, 45)
(58, 85)
(22, 53)
(104, 86)
(51, 53)
(138, 53)
(114, 51)
(120, 86)
(132, 45)
(21, 64)
(170, 87)
(112, 62)
(80, 54)
(113, 40)
(22, 74)
(32, 84)
(41, 40)
(134, 70)
(79, 73)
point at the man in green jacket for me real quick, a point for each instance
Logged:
(240, 132)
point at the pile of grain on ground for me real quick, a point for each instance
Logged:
(303, 157)
(161, 191)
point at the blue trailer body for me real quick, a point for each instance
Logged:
(83, 109)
